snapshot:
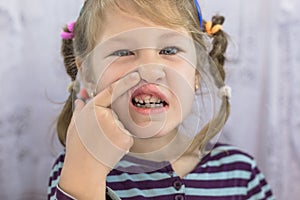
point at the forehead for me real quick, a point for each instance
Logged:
(117, 20)
(147, 37)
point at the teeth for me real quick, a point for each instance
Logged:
(153, 99)
(147, 97)
(148, 102)
(150, 105)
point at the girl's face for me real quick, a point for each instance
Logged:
(165, 60)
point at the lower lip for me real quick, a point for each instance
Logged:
(148, 111)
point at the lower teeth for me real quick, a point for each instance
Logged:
(150, 105)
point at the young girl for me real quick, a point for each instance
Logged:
(141, 134)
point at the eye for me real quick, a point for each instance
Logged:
(169, 51)
(122, 52)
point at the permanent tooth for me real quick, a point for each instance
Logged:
(152, 105)
(147, 97)
(139, 105)
(136, 99)
(147, 101)
(153, 99)
(141, 101)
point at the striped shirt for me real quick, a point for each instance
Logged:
(224, 173)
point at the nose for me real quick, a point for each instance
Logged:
(151, 72)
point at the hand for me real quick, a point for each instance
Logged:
(96, 141)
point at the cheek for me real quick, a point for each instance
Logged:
(182, 85)
(183, 72)
(110, 75)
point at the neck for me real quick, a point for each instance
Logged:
(166, 148)
(186, 163)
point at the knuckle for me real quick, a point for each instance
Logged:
(126, 144)
(109, 91)
(124, 140)
(128, 141)
(102, 114)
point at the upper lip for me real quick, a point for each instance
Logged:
(149, 89)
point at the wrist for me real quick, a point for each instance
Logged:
(83, 188)
(83, 183)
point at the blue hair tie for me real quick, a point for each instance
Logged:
(199, 13)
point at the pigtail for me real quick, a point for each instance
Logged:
(67, 51)
(217, 54)
(219, 45)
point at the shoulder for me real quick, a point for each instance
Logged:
(57, 165)
(55, 174)
(229, 161)
(226, 154)
(59, 160)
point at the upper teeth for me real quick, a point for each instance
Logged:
(148, 102)
(147, 99)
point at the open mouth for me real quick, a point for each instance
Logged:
(148, 97)
(148, 101)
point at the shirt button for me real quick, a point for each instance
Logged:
(179, 197)
(177, 184)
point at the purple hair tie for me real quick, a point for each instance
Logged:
(68, 35)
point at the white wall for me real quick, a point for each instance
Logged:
(263, 72)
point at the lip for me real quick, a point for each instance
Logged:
(149, 89)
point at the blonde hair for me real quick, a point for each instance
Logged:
(169, 13)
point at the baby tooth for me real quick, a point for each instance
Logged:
(147, 97)
(158, 105)
(147, 101)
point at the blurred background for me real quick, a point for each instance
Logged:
(263, 71)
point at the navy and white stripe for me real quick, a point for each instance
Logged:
(225, 173)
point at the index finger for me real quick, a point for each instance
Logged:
(106, 97)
